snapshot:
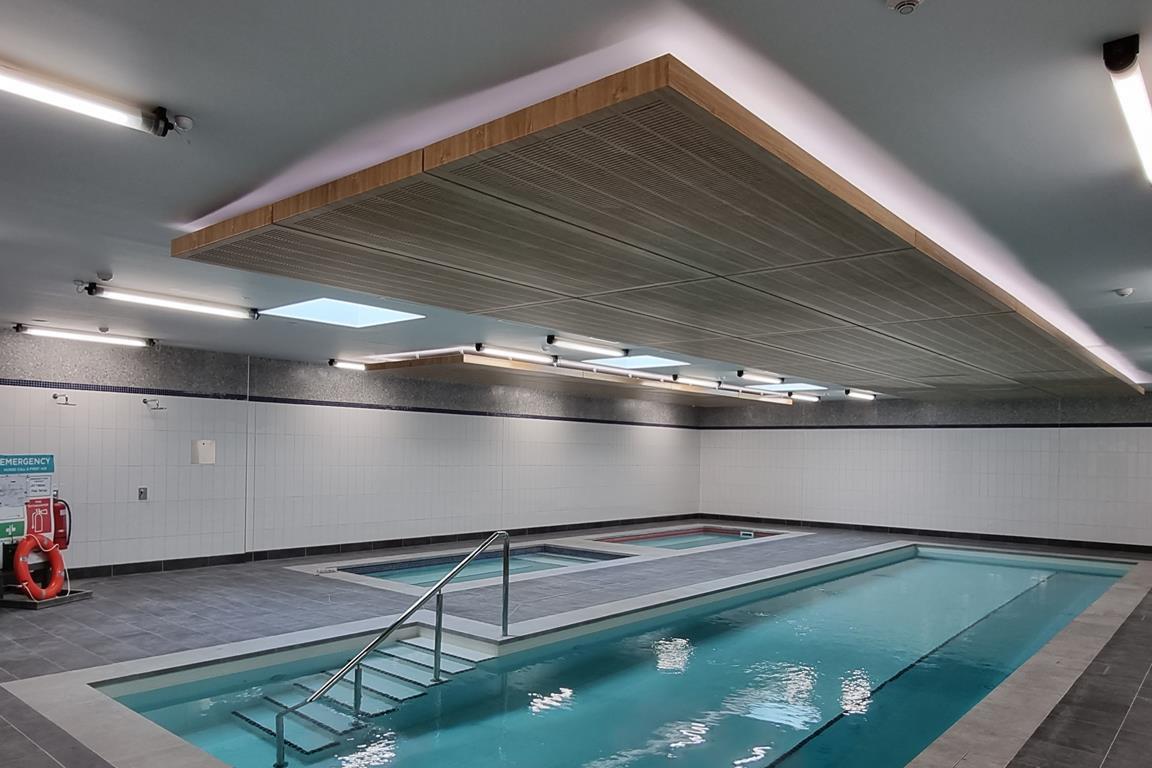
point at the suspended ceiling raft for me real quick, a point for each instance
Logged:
(651, 208)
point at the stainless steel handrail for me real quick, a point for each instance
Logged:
(355, 662)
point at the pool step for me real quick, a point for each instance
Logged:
(458, 651)
(426, 658)
(317, 712)
(371, 704)
(298, 732)
(405, 671)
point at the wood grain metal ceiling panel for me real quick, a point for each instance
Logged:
(1005, 344)
(444, 223)
(666, 176)
(722, 306)
(581, 317)
(279, 251)
(882, 288)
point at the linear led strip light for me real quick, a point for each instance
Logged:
(759, 378)
(347, 365)
(1121, 57)
(21, 82)
(171, 302)
(585, 346)
(856, 394)
(99, 338)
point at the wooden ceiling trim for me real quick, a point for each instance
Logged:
(348, 189)
(244, 225)
(573, 105)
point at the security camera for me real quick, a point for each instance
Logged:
(904, 7)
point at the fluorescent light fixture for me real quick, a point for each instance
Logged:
(710, 383)
(168, 302)
(638, 361)
(803, 397)
(858, 395)
(515, 354)
(1121, 57)
(615, 371)
(347, 365)
(759, 378)
(343, 313)
(795, 386)
(19, 82)
(99, 338)
(584, 346)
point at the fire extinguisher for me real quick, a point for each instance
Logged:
(61, 523)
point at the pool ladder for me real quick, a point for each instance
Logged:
(354, 664)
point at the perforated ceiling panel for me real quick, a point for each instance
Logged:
(667, 178)
(308, 257)
(722, 306)
(446, 224)
(883, 288)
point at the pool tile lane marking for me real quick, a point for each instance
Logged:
(1000, 725)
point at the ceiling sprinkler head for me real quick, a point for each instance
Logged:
(904, 7)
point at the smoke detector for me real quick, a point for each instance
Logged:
(904, 7)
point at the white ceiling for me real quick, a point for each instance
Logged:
(991, 126)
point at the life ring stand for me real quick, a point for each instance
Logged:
(55, 565)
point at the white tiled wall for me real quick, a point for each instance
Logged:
(110, 444)
(1092, 484)
(327, 475)
(297, 475)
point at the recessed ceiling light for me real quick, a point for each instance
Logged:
(795, 386)
(637, 361)
(344, 313)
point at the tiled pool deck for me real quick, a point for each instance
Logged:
(1104, 719)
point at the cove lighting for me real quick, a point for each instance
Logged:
(167, 302)
(857, 395)
(795, 386)
(29, 86)
(515, 354)
(582, 346)
(638, 361)
(99, 338)
(803, 397)
(710, 383)
(343, 313)
(759, 378)
(347, 365)
(1121, 57)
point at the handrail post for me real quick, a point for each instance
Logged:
(358, 690)
(439, 636)
(504, 613)
(280, 761)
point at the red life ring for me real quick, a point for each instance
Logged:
(55, 564)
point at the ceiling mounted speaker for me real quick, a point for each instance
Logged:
(904, 7)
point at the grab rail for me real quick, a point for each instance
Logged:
(355, 662)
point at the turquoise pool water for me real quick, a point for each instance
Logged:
(427, 571)
(864, 670)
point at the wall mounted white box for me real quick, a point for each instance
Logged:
(203, 451)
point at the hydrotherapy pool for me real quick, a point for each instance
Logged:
(688, 538)
(862, 664)
(426, 571)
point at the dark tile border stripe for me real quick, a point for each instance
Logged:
(152, 566)
(997, 425)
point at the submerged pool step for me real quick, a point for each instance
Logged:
(391, 687)
(317, 712)
(426, 658)
(458, 651)
(404, 670)
(300, 734)
(371, 704)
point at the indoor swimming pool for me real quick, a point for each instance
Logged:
(426, 571)
(860, 664)
(687, 538)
